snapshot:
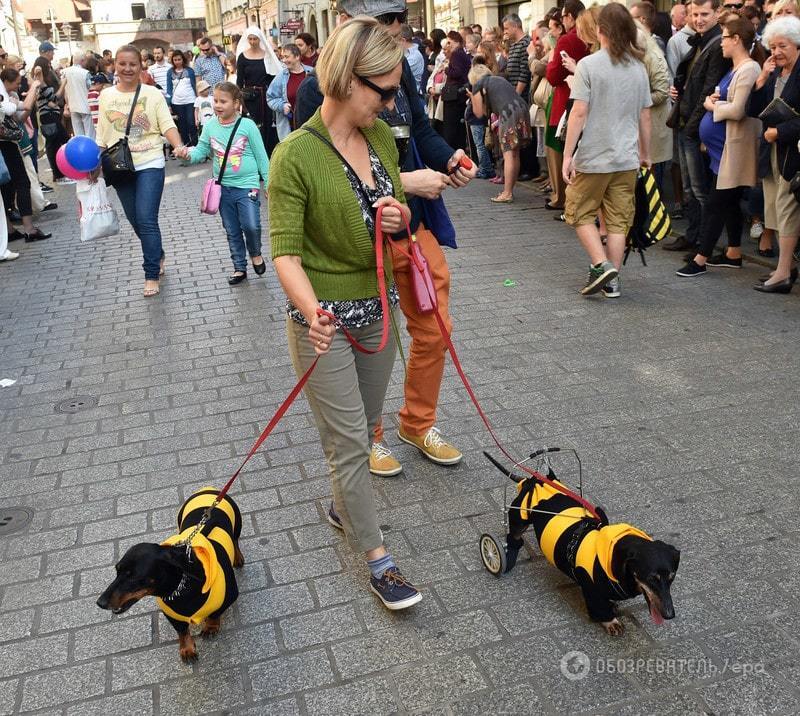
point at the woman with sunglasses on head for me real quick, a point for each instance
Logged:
(324, 232)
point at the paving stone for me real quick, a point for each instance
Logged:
(457, 633)
(61, 686)
(117, 636)
(445, 680)
(751, 693)
(8, 696)
(16, 625)
(201, 694)
(276, 677)
(274, 603)
(517, 699)
(136, 702)
(303, 566)
(147, 667)
(670, 704)
(118, 527)
(23, 546)
(283, 518)
(368, 696)
(320, 627)
(375, 652)
(42, 591)
(20, 570)
(22, 656)
(68, 560)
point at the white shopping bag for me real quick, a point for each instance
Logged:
(38, 201)
(97, 215)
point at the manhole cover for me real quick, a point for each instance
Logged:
(76, 404)
(14, 519)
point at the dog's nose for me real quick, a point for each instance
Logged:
(102, 601)
(668, 613)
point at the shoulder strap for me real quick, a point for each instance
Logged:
(133, 108)
(335, 150)
(227, 150)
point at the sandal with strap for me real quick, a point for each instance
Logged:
(150, 292)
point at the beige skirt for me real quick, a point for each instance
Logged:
(781, 209)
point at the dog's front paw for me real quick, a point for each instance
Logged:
(210, 628)
(187, 648)
(614, 627)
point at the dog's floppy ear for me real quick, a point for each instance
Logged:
(174, 556)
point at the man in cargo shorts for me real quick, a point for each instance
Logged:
(610, 125)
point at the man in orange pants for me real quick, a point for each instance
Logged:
(424, 177)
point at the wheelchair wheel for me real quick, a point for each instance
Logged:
(493, 554)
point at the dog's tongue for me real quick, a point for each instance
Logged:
(655, 615)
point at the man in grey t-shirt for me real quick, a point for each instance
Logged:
(610, 117)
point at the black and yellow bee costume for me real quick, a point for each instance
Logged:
(571, 539)
(213, 548)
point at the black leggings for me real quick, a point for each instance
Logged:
(51, 147)
(454, 130)
(722, 211)
(17, 192)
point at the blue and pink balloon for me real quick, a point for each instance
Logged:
(82, 154)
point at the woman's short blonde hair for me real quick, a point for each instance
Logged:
(477, 72)
(360, 46)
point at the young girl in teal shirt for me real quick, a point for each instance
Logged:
(246, 168)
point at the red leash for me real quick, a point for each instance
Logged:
(414, 262)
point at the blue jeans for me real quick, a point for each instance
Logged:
(239, 210)
(186, 126)
(698, 187)
(141, 200)
(485, 164)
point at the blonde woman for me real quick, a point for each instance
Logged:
(323, 232)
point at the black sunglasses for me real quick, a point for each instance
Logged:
(3, 56)
(388, 18)
(386, 94)
(734, 5)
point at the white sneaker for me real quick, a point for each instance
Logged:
(756, 229)
(9, 256)
(64, 181)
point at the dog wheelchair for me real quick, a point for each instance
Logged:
(497, 556)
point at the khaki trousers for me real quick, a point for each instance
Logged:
(346, 392)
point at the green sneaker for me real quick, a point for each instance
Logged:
(599, 276)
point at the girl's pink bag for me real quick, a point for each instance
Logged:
(209, 201)
(212, 189)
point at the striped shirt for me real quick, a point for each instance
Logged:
(517, 69)
(94, 104)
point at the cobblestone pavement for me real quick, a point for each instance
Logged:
(680, 397)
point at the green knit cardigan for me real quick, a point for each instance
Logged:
(314, 212)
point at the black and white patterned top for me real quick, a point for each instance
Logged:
(362, 311)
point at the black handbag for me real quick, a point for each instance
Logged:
(450, 93)
(117, 160)
(794, 186)
(10, 130)
(777, 112)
